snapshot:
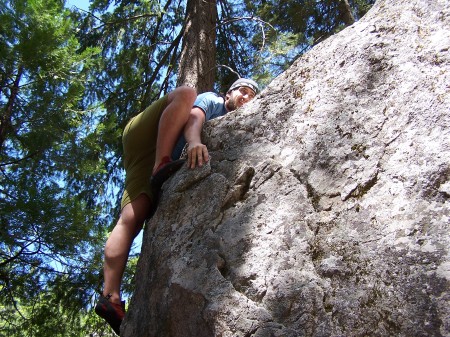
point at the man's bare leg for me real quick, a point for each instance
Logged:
(118, 246)
(173, 120)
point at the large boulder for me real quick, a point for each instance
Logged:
(324, 210)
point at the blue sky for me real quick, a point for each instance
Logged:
(83, 4)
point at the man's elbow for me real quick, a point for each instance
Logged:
(197, 115)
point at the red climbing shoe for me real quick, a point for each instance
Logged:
(164, 171)
(112, 313)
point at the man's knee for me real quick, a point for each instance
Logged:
(186, 94)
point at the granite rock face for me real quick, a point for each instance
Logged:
(325, 209)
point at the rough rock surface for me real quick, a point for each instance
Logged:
(325, 208)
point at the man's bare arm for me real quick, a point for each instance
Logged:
(197, 152)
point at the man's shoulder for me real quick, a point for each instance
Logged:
(211, 96)
(212, 104)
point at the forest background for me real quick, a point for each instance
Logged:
(70, 78)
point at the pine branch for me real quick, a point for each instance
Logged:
(5, 121)
(251, 18)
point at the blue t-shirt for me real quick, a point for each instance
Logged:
(213, 105)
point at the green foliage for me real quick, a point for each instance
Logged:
(47, 316)
(50, 230)
(295, 26)
(134, 37)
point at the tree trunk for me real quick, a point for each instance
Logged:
(345, 12)
(198, 55)
(5, 120)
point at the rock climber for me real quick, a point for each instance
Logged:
(152, 139)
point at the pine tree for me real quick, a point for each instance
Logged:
(48, 219)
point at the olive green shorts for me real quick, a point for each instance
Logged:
(139, 149)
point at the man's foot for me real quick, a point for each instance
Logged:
(164, 171)
(112, 313)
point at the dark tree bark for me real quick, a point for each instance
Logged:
(345, 12)
(198, 55)
(5, 119)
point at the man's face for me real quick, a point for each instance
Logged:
(238, 97)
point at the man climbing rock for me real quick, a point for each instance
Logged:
(150, 141)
